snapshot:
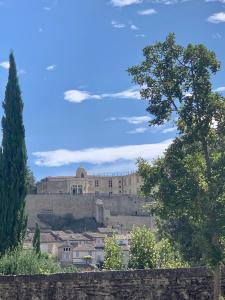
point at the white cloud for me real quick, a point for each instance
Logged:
(132, 93)
(138, 130)
(131, 120)
(62, 157)
(217, 18)
(222, 1)
(220, 89)
(171, 129)
(47, 8)
(77, 96)
(51, 67)
(5, 65)
(117, 25)
(133, 27)
(145, 12)
(121, 3)
(22, 72)
(140, 35)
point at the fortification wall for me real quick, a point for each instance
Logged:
(180, 284)
(126, 223)
(81, 206)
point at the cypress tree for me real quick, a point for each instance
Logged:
(14, 162)
(36, 240)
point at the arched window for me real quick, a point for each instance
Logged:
(82, 175)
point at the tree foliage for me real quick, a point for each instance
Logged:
(188, 183)
(113, 259)
(142, 249)
(19, 262)
(14, 166)
(146, 251)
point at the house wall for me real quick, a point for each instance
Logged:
(182, 284)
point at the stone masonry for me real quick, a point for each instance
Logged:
(173, 284)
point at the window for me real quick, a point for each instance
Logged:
(110, 193)
(119, 181)
(80, 190)
(110, 183)
(96, 193)
(66, 249)
(77, 190)
(96, 183)
(82, 175)
(90, 253)
(77, 253)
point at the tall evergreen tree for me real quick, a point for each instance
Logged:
(14, 162)
(36, 240)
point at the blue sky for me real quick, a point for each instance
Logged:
(81, 107)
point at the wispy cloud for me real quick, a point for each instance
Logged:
(146, 12)
(5, 65)
(62, 157)
(51, 67)
(78, 96)
(133, 27)
(222, 1)
(138, 130)
(217, 18)
(117, 25)
(220, 89)
(142, 35)
(47, 8)
(122, 3)
(167, 130)
(131, 120)
(217, 36)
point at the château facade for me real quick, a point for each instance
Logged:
(84, 183)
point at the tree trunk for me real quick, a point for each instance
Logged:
(217, 283)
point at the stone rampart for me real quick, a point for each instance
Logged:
(82, 206)
(173, 284)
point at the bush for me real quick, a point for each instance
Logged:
(21, 262)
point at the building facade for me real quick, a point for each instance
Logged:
(84, 183)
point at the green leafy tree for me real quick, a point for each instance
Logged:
(36, 240)
(113, 259)
(31, 182)
(142, 249)
(14, 162)
(168, 256)
(188, 184)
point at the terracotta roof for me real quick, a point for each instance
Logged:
(69, 236)
(95, 235)
(45, 237)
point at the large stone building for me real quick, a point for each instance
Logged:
(84, 183)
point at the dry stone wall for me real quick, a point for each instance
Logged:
(173, 284)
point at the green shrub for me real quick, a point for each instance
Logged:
(19, 262)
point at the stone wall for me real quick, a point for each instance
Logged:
(82, 206)
(177, 284)
(126, 223)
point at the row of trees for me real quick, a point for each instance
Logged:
(188, 183)
(146, 251)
